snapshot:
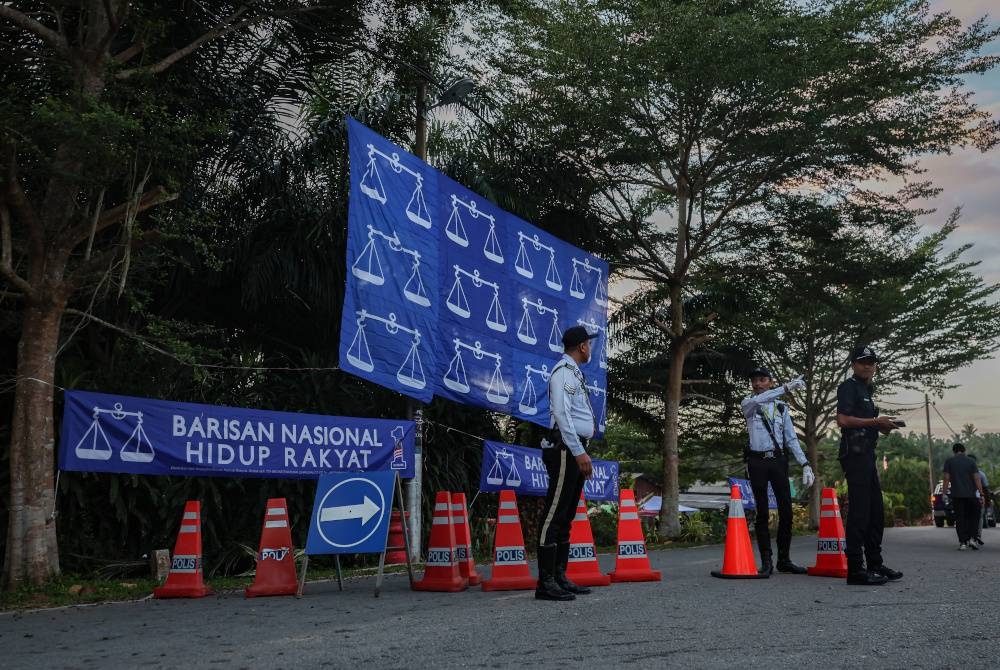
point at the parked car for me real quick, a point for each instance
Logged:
(944, 511)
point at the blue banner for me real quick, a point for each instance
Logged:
(115, 433)
(746, 493)
(449, 295)
(507, 466)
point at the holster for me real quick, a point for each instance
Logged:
(855, 442)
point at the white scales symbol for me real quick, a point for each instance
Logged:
(523, 263)
(495, 475)
(576, 284)
(459, 304)
(455, 229)
(94, 444)
(410, 372)
(368, 266)
(592, 326)
(457, 380)
(371, 185)
(603, 395)
(528, 405)
(526, 329)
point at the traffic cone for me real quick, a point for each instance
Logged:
(738, 562)
(463, 539)
(830, 545)
(510, 565)
(583, 567)
(395, 546)
(275, 560)
(632, 561)
(185, 578)
(441, 571)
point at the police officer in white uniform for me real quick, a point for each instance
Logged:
(772, 439)
(564, 452)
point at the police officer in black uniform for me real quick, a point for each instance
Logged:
(860, 424)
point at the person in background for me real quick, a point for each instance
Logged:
(978, 539)
(961, 478)
(772, 439)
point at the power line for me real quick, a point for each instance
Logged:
(953, 431)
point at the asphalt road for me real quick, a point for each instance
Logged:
(944, 613)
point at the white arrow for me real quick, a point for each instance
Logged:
(364, 511)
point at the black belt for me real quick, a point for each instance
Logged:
(772, 453)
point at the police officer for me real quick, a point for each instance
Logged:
(860, 424)
(567, 463)
(772, 437)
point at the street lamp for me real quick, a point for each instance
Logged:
(455, 94)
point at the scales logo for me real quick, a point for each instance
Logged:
(95, 446)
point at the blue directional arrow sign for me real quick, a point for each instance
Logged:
(351, 513)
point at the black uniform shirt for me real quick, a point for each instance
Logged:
(962, 472)
(854, 398)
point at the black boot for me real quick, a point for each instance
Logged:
(766, 566)
(858, 576)
(562, 560)
(785, 565)
(547, 588)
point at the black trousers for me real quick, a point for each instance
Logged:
(967, 517)
(562, 497)
(774, 471)
(865, 515)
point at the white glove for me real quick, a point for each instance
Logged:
(808, 478)
(796, 384)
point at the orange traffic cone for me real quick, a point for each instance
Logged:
(830, 545)
(185, 577)
(463, 539)
(441, 572)
(583, 567)
(275, 560)
(738, 561)
(632, 561)
(510, 565)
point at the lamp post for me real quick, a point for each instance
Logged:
(453, 95)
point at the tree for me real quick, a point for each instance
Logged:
(683, 112)
(858, 272)
(96, 132)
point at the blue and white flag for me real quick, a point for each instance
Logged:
(450, 295)
(116, 433)
(508, 466)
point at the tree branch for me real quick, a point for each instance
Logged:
(130, 52)
(6, 255)
(56, 41)
(22, 207)
(101, 260)
(227, 26)
(155, 196)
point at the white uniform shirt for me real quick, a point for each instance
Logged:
(569, 405)
(776, 413)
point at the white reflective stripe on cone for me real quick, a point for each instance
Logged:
(190, 516)
(628, 516)
(280, 523)
(441, 520)
(507, 518)
(189, 529)
(508, 504)
(441, 507)
(275, 511)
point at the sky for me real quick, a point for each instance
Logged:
(970, 179)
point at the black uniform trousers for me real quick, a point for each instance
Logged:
(563, 495)
(967, 517)
(865, 515)
(762, 471)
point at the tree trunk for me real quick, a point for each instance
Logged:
(32, 553)
(670, 525)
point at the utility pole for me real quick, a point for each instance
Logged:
(414, 409)
(930, 443)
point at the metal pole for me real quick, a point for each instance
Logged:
(414, 409)
(930, 457)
